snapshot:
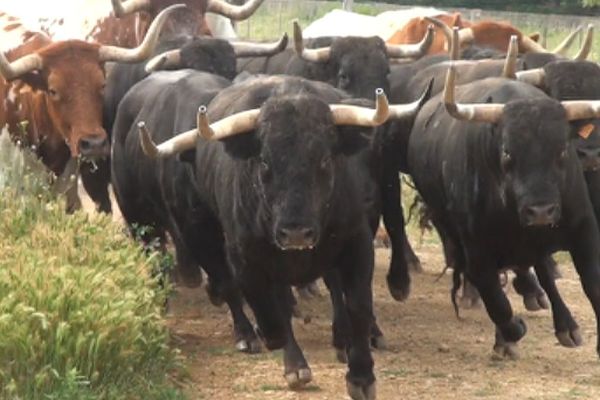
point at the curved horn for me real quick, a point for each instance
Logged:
(510, 64)
(183, 141)
(170, 59)
(243, 49)
(120, 9)
(235, 124)
(454, 51)
(468, 112)
(529, 46)
(563, 47)
(344, 114)
(401, 111)
(586, 48)
(145, 49)
(446, 30)
(416, 50)
(535, 77)
(313, 55)
(581, 109)
(21, 66)
(237, 13)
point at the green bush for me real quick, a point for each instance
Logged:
(80, 313)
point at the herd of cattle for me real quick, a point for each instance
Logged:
(274, 163)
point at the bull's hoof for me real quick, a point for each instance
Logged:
(379, 342)
(298, 379)
(341, 356)
(250, 346)
(506, 350)
(399, 290)
(570, 338)
(357, 392)
(536, 302)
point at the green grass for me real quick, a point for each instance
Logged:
(80, 313)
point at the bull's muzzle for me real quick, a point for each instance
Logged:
(295, 238)
(540, 214)
(94, 146)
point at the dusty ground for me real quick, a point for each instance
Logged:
(431, 355)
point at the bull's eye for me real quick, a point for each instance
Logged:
(343, 79)
(53, 93)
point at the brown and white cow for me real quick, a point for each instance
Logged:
(131, 18)
(486, 33)
(52, 93)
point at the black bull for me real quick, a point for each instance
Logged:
(509, 192)
(281, 204)
(217, 56)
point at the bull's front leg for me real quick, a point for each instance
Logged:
(482, 272)
(565, 327)
(356, 272)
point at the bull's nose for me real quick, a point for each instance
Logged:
(94, 146)
(541, 214)
(300, 238)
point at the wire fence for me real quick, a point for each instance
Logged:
(275, 17)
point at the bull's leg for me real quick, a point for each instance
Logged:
(482, 272)
(527, 285)
(565, 327)
(356, 274)
(222, 286)
(296, 370)
(187, 271)
(341, 324)
(95, 178)
(398, 277)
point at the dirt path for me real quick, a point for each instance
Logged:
(431, 355)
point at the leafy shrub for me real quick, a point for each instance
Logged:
(80, 313)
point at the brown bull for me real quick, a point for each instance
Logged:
(487, 33)
(53, 93)
(131, 18)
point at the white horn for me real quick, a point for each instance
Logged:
(468, 112)
(145, 49)
(237, 13)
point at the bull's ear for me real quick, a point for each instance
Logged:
(242, 146)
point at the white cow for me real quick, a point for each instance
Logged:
(345, 23)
